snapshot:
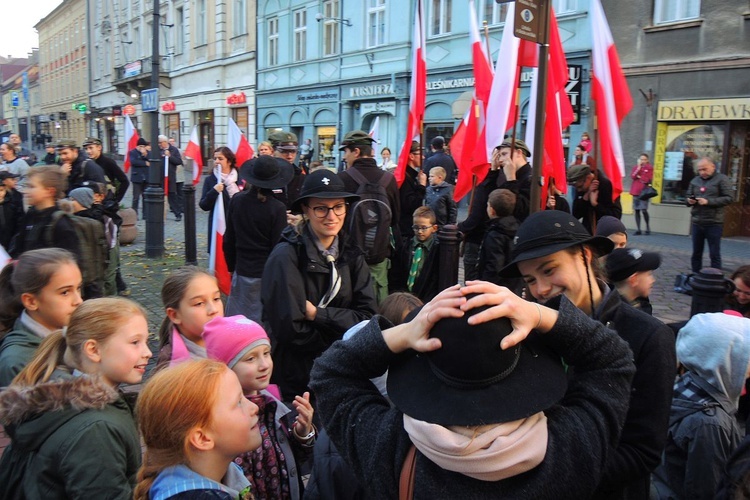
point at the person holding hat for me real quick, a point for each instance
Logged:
(314, 286)
(593, 198)
(481, 400)
(631, 272)
(555, 255)
(224, 181)
(11, 208)
(285, 147)
(77, 166)
(115, 175)
(512, 157)
(139, 172)
(255, 220)
(440, 158)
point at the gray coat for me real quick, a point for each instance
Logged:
(717, 189)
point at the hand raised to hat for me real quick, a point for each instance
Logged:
(416, 333)
(523, 315)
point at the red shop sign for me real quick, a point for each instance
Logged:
(235, 99)
(169, 106)
(128, 110)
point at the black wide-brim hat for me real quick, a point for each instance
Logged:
(322, 184)
(470, 380)
(267, 172)
(547, 232)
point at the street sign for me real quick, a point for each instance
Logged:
(14, 99)
(530, 20)
(150, 100)
(25, 86)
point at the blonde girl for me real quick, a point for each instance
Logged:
(194, 420)
(191, 298)
(72, 434)
(38, 294)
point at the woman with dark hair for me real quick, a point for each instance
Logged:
(223, 180)
(641, 174)
(739, 299)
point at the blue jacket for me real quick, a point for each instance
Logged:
(140, 166)
(179, 481)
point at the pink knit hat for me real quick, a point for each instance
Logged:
(228, 339)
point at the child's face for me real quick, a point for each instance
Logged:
(200, 304)
(54, 304)
(36, 194)
(255, 369)
(643, 282)
(425, 228)
(234, 426)
(491, 211)
(123, 357)
(619, 239)
(10, 182)
(559, 273)
(435, 179)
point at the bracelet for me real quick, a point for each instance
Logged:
(307, 438)
(539, 309)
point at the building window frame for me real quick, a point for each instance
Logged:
(331, 27)
(239, 17)
(179, 45)
(273, 41)
(201, 23)
(300, 34)
(674, 11)
(494, 13)
(440, 17)
(376, 23)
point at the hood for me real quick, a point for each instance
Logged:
(507, 225)
(32, 414)
(716, 347)
(179, 479)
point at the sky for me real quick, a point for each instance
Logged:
(19, 35)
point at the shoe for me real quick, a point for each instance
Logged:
(648, 231)
(638, 233)
(124, 293)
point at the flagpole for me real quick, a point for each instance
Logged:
(541, 106)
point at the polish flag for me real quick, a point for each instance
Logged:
(417, 92)
(193, 151)
(217, 264)
(131, 139)
(237, 142)
(166, 176)
(458, 143)
(375, 134)
(612, 96)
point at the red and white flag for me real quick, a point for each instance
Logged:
(375, 134)
(458, 142)
(417, 92)
(611, 94)
(216, 261)
(131, 139)
(239, 145)
(193, 151)
(166, 175)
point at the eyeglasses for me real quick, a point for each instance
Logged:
(420, 229)
(321, 212)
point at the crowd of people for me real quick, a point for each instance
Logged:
(337, 354)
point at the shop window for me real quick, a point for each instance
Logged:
(375, 23)
(240, 117)
(494, 13)
(273, 41)
(331, 27)
(326, 141)
(433, 130)
(440, 17)
(300, 35)
(669, 11)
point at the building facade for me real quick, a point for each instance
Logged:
(687, 66)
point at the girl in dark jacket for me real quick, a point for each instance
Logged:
(223, 180)
(72, 434)
(314, 287)
(555, 255)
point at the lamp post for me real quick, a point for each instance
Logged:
(154, 194)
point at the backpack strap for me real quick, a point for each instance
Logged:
(406, 480)
(357, 176)
(385, 179)
(49, 230)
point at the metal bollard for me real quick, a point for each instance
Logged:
(709, 288)
(191, 252)
(449, 239)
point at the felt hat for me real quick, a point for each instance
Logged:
(356, 138)
(415, 147)
(470, 380)
(624, 262)
(229, 338)
(577, 172)
(548, 232)
(83, 195)
(7, 174)
(142, 142)
(267, 172)
(283, 141)
(91, 140)
(609, 225)
(66, 143)
(322, 184)
(519, 144)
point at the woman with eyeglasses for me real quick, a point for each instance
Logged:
(314, 287)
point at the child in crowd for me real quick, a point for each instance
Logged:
(421, 256)
(38, 294)
(586, 142)
(439, 197)
(72, 434)
(44, 187)
(191, 298)
(631, 272)
(612, 228)
(274, 468)
(194, 421)
(95, 245)
(703, 429)
(11, 207)
(739, 299)
(497, 244)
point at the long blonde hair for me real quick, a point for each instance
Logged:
(172, 403)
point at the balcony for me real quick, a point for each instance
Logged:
(136, 75)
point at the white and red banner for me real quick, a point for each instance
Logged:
(131, 140)
(238, 143)
(375, 134)
(612, 96)
(193, 151)
(216, 260)
(417, 93)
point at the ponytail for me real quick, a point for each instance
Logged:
(48, 356)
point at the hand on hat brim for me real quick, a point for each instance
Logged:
(524, 316)
(416, 333)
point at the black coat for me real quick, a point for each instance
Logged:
(208, 200)
(473, 226)
(441, 159)
(11, 216)
(116, 176)
(522, 188)
(82, 170)
(368, 167)
(295, 272)
(412, 194)
(495, 252)
(139, 166)
(35, 233)
(426, 283)
(175, 159)
(588, 214)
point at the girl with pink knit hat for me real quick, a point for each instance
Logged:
(273, 469)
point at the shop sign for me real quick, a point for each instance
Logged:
(573, 89)
(704, 109)
(530, 20)
(128, 110)
(318, 96)
(378, 107)
(371, 90)
(132, 69)
(169, 106)
(455, 83)
(236, 99)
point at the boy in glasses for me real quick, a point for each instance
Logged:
(421, 256)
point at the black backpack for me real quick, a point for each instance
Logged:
(93, 244)
(370, 217)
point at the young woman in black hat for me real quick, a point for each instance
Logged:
(314, 287)
(486, 404)
(556, 256)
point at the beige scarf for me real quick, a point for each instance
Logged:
(501, 451)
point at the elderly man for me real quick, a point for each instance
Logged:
(708, 193)
(176, 181)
